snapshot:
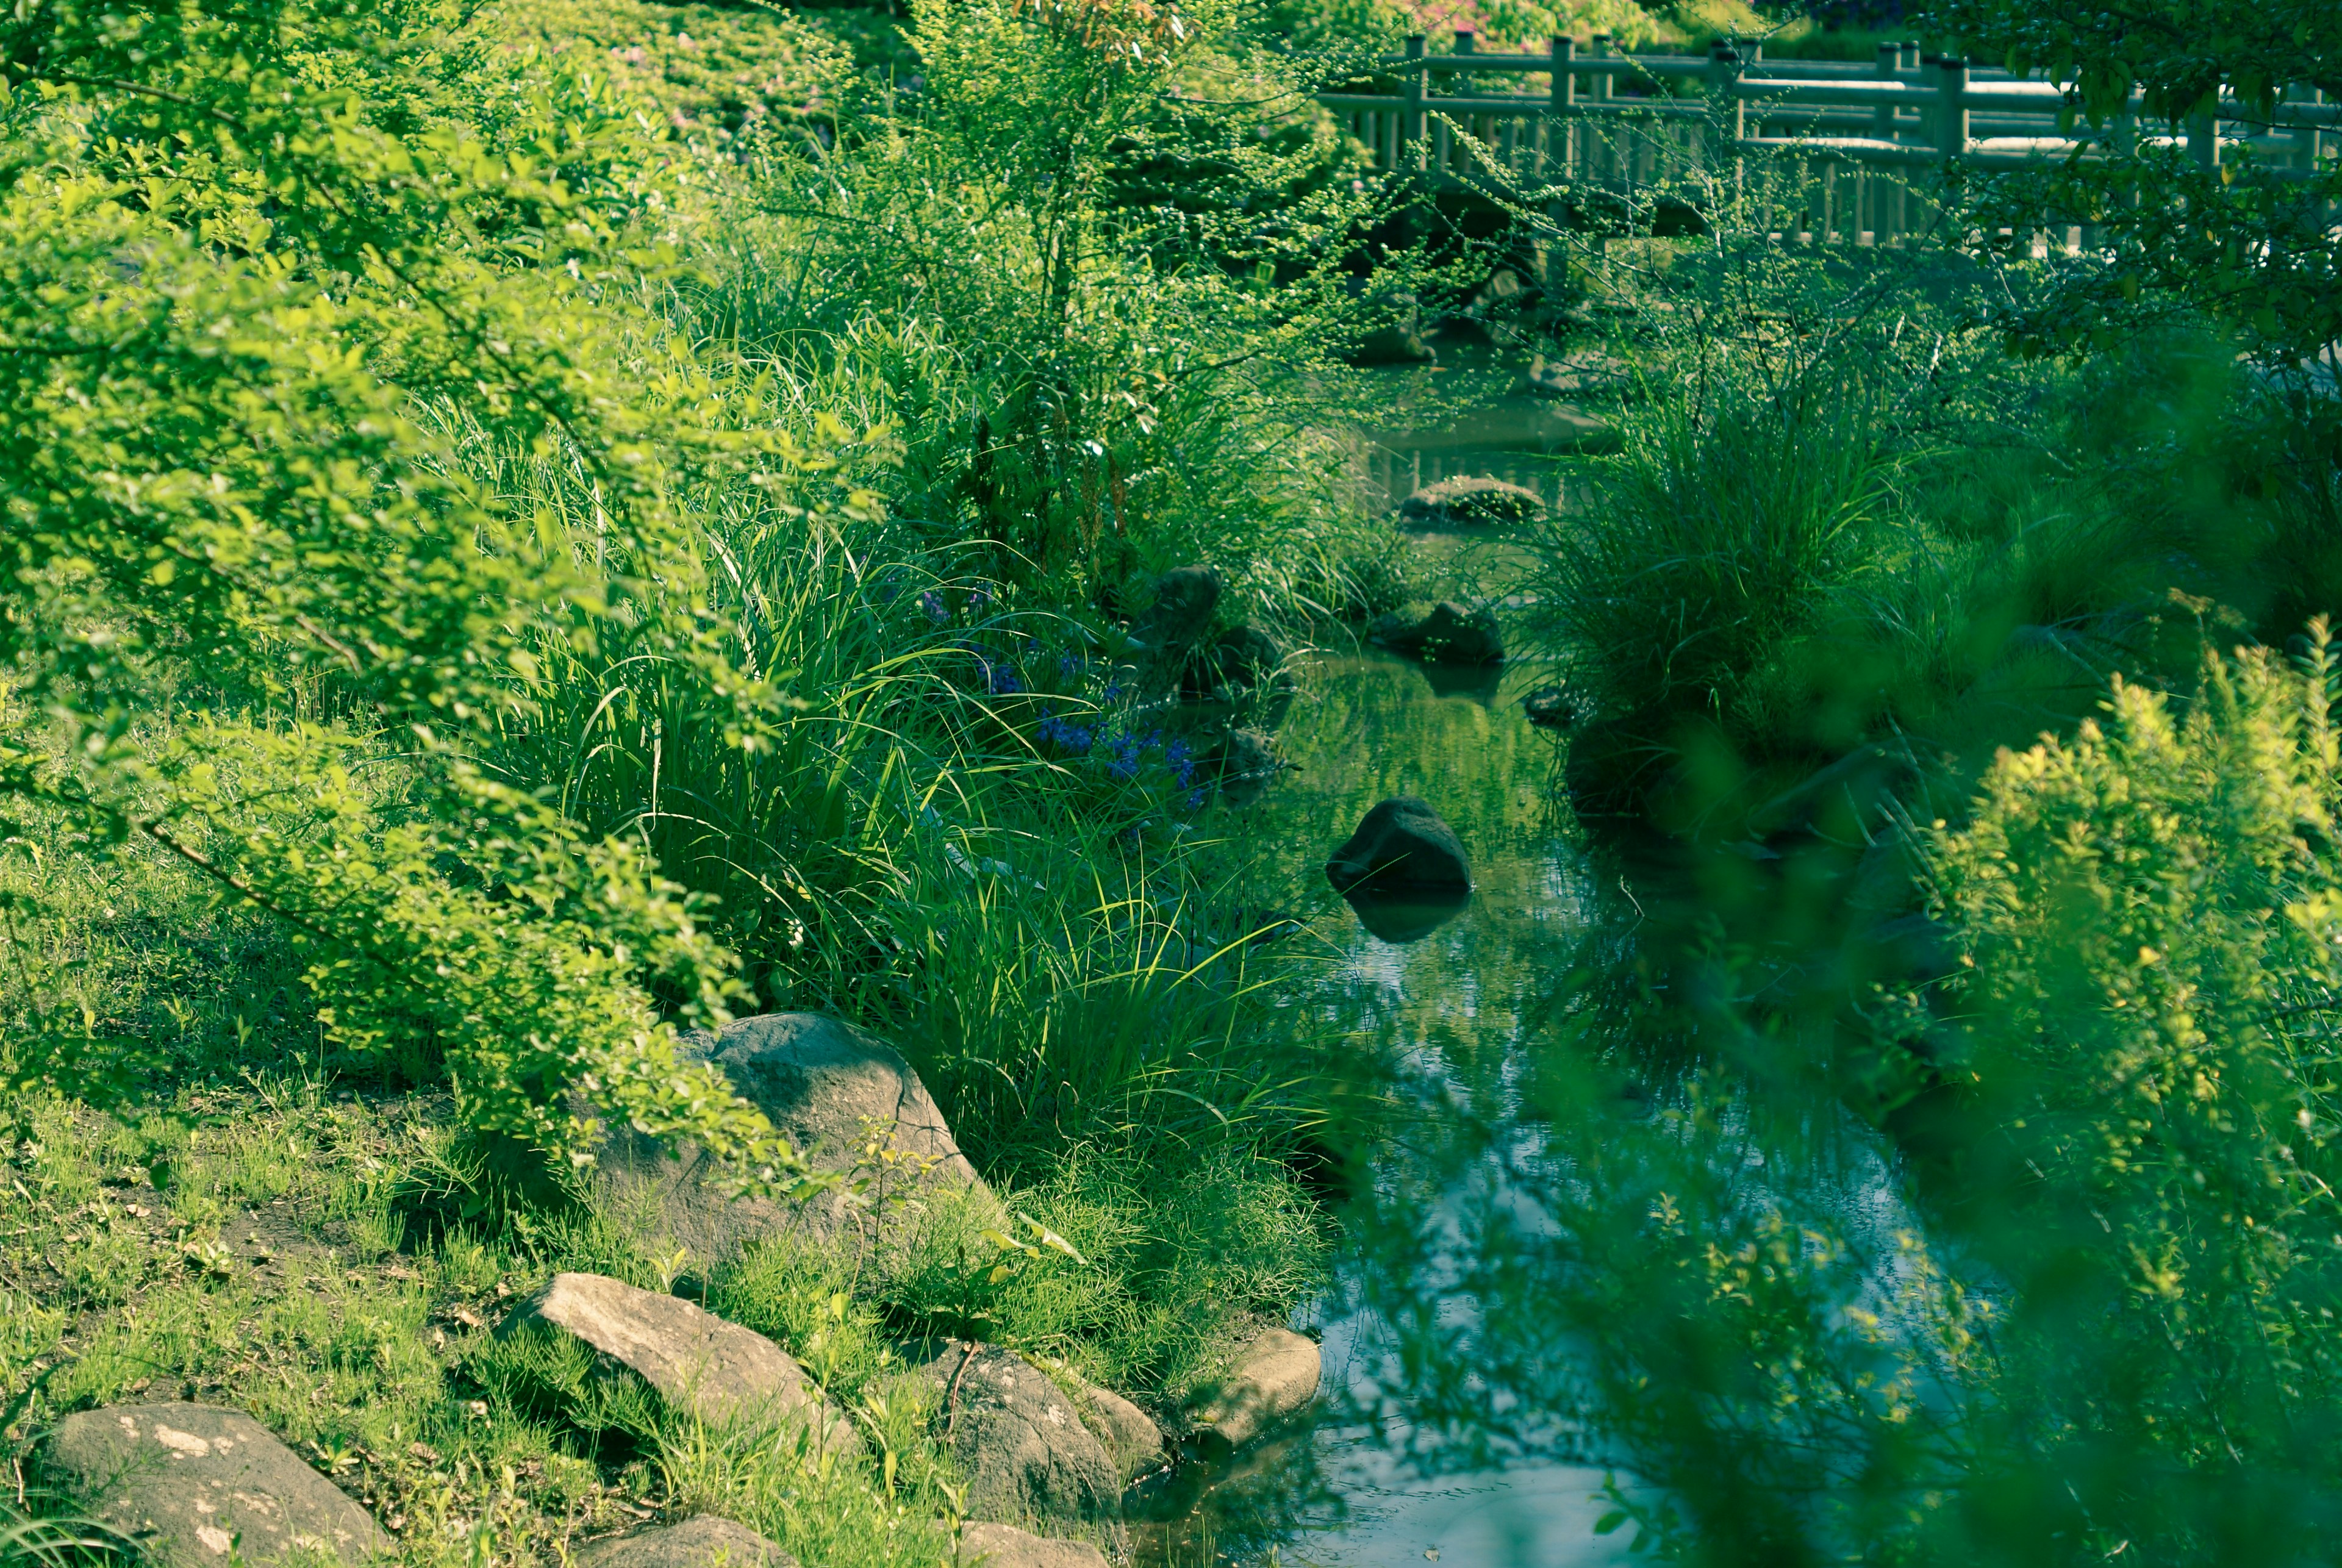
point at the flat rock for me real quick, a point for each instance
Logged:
(984, 1544)
(845, 1098)
(1276, 1377)
(1023, 1445)
(1471, 501)
(1400, 845)
(705, 1541)
(198, 1483)
(719, 1371)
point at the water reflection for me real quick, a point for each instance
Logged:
(1440, 993)
(1405, 916)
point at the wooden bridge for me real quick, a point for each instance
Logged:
(1863, 145)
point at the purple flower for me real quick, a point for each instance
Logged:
(932, 604)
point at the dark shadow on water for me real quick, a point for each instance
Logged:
(1476, 682)
(1402, 916)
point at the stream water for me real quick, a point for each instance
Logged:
(1370, 1485)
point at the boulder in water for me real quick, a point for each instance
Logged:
(1401, 844)
(1276, 1377)
(1448, 634)
(1466, 501)
(1549, 707)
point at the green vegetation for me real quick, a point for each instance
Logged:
(533, 530)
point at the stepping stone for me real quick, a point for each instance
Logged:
(1449, 634)
(983, 1544)
(1402, 843)
(1276, 1376)
(706, 1541)
(725, 1374)
(196, 1484)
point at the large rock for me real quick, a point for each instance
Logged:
(1583, 375)
(1462, 501)
(1448, 634)
(983, 1544)
(1276, 1377)
(1023, 1445)
(198, 1483)
(705, 1541)
(845, 1098)
(723, 1374)
(1400, 845)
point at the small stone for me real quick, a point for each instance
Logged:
(1549, 707)
(1020, 1442)
(1465, 502)
(984, 1544)
(1246, 763)
(705, 1541)
(1400, 843)
(199, 1484)
(719, 1371)
(1276, 1376)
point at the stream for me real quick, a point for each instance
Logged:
(1554, 1141)
(1365, 1485)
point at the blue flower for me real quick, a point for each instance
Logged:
(932, 604)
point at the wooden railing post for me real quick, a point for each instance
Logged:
(1723, 70)
(1561, 138)
(1951, 107)
(1886, 189)
(1410, 121)
(1563, 52)
(2203, 135)
(1605, 145)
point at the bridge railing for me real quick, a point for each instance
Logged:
(1862, 144)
